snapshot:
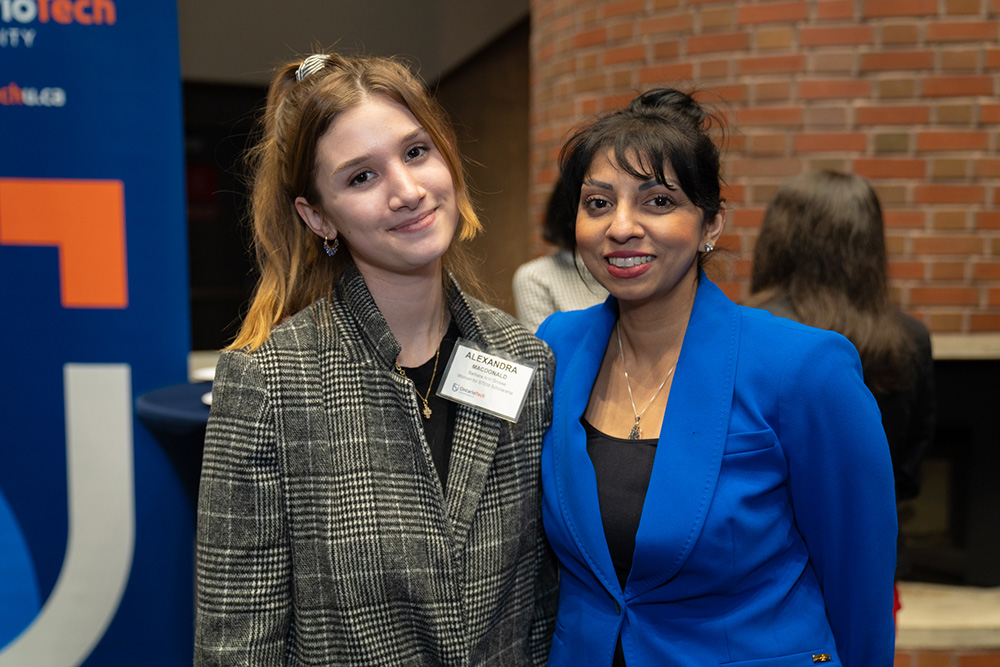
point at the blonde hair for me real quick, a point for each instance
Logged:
(294, 269)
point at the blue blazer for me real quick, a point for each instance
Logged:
(768, 534)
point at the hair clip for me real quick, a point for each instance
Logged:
(311, 64)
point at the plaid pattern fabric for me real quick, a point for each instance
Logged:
(549, 284)
(324, 537)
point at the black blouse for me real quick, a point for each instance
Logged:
(623, 468)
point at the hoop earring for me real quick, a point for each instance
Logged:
(331, 250)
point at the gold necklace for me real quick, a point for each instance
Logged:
(636, 431)
(430, 386)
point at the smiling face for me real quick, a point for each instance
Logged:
(385, 190)
(640, 238)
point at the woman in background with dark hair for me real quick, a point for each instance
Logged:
(716, 482)
(348, 513)
(820, 259)
(557, 281)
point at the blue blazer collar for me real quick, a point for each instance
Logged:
(689, 453)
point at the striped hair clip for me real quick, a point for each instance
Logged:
(311, 64)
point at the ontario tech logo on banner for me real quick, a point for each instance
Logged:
(20, 19)
(96, 530)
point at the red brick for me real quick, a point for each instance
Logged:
(950, 220)
(939, 322)
(900, 34)
(893, 115)
(949, 194)
(746, 217)
(666, 24)
(613, 9)
(827, 116)
(625, 54)
(890, 168)
(981, 323)
(958, 86)
(714, 69)
(666, 49)
(994, 299)
(906, 271)
(988, 220)
(947, 271)
(723, 42)
(992, 658)
(899, 219)
(772, 64)
(768, 144)
(897, 60)
(944, 296)
(762, 167)
(773, 12)
(717, 19)
(986, 168)
(732, 94)
(823, 143)
(978, 31)
(955, 61)
(594, 37)
(832, 10)
(620, 32)
(733, 192)
(953, 141)
(992, 58)
(841, 36)
(834, 89)
(960, 244)
(887, 8)
(659, 75)
(986, 271)
(963, 7)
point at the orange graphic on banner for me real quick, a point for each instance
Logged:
(85, 219)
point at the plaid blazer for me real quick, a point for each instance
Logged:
(324, 536)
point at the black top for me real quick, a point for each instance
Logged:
(438, 429)
(622, 468)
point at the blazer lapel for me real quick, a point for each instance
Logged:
(474, 444)
(576, 484)
(692, 441)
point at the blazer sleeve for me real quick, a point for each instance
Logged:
(533, 300)
(243, 554)
(841, 486)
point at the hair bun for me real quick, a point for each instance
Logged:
(668, 101)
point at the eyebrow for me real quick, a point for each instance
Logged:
(353, 162)
(648, 185)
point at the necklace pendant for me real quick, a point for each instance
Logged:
(427, 411)
(636, 432)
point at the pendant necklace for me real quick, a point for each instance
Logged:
(430, 386)
(636, 431)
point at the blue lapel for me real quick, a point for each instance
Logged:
(576, 485)
(692, 441)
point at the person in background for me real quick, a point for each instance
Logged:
(348, 514)
(820, 259)
(557, 281)
(717, 485)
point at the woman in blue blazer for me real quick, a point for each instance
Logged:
(717, 485)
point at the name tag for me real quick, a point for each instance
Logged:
(486, 381)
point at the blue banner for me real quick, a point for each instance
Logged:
(96, 533)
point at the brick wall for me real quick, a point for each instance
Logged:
(903, 92)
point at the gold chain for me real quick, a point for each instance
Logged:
(437, 355)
